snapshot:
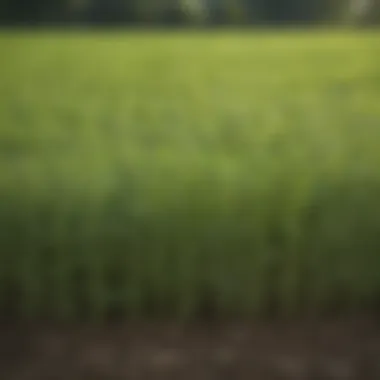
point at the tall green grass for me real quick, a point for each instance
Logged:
(173, 175)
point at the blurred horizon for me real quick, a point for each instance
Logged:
(188, 13)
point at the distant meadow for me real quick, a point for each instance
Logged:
(233, 173)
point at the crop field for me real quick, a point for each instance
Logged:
(180, 174)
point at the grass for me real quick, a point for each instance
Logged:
(169, 174)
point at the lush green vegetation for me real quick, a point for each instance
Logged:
(171, 173)
(189, 12)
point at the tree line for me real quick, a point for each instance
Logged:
(188, 12)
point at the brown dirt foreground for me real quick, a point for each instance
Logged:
(334, 350)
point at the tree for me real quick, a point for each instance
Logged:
(22, 11)
(32, 12)
(364, 11)
(194, 11)
(111, 11)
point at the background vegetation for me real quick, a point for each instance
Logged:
(179, 174)
(188, 12)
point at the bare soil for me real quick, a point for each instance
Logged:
(331, 350)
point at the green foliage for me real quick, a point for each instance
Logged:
(179, 174)
(186, 12)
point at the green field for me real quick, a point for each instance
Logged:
(171, 174)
